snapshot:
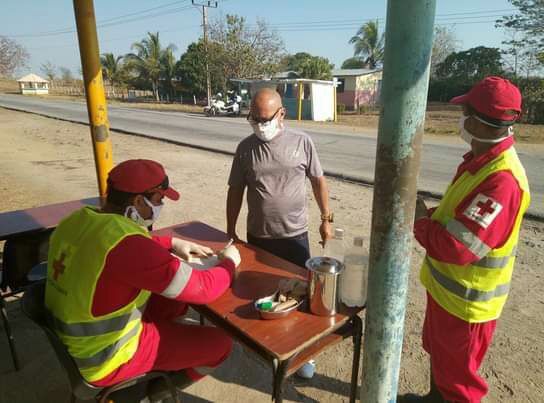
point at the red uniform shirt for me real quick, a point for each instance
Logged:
(138, 263)
(502, 187)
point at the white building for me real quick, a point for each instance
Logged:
(33, 84)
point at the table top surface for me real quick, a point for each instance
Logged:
(21, 222)
(258, 276)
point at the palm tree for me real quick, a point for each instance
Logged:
(112, 69)
(147, 59)
(168, 70)
(369, 44)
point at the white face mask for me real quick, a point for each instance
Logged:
(266, 131)
(468, 137)
(135, 216)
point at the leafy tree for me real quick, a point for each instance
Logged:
(471, 65)
(243, 51)
(66, 74)
(524, 52)
(369, 44)
(168, 71)
(12, 56)
(308, 66)
(444, 44)
(113, 69)
(49, 70)
(191, 69)
(528, 20)
(293, 62)
(316, 68)
(146, 61)
(353, 63)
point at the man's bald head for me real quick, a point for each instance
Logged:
(265, 104)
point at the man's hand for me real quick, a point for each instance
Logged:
(232, 254)
(421, 209)
(184, 249)
(325, 230)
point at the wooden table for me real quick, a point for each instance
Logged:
(32, 220)
(286, 343)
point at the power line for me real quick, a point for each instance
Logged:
(121, 19)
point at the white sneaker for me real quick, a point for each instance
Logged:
(307, 371)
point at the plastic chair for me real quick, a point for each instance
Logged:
(33, 306)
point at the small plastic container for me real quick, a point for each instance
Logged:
(270, 315)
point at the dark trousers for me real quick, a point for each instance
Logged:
(295, 250)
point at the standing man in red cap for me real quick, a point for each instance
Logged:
(471, 240)
(113, 290)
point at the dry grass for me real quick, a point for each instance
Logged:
(7, 85)
(443, 123)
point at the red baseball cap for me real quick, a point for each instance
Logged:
(141, 176)
(495, 98)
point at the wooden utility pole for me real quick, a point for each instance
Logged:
(205, 6)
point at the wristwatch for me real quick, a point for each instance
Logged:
(327, 217)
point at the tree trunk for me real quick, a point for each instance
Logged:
(156, 90)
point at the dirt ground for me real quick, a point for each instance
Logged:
(45, 161)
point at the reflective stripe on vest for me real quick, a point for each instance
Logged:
(104, 355)
(475, 292)
(491, 262)
(467, 238)
(96, 327)
(81, 242)
(469, 294)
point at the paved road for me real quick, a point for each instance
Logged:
(345, 154)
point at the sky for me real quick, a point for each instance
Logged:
(319, 27)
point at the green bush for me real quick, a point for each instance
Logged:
(532, 90)
(340, 108)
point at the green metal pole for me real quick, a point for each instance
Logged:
(408, 43)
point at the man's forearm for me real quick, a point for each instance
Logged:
(234, 205)
(321, 194)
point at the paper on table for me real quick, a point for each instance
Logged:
(202, 263)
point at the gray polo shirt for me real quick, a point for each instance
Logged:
(275, 174)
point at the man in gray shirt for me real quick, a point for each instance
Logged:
(273, 163)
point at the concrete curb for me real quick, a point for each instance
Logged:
(347, 178)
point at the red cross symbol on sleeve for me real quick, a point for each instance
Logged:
(485, 208)
(58, 266)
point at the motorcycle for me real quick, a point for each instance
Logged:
(219, 108)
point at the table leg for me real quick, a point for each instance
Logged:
(357, 336)
(11, 339)
(280, 369)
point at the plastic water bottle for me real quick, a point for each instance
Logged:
(335, 247)
(353, 281)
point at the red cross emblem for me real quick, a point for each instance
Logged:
(485, 208)
(58, 266)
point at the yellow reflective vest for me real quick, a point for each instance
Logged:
(476, 292)
(77, 254)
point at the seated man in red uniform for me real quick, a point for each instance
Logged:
(471, 240)
(113, 290)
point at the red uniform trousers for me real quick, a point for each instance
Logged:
(457, 349)
(169, 346)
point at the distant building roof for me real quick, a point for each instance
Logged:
(279, 81)
(286, 74)
(32, 78)
(353, 72)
